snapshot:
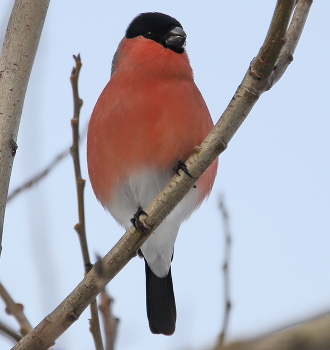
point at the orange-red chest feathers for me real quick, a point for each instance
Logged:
(150, 115)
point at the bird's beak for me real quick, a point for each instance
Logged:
(176, 38)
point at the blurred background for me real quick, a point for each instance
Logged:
(274, 177)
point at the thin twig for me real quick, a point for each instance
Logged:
(262, 66)
(10, 333)
(109, 321)
(16, 310)
(74, 150)
(214, 144)
(36, 178)
(292, 38)
(94, 326)
(225, 268)
(43, 173)
(80, 185)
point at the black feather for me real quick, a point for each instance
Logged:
(154, 26)
(161, 308)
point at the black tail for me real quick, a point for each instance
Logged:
(161, 308)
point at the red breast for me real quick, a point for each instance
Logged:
(129, 132)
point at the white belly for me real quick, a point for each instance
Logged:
(140, 190)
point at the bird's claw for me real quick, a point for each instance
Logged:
(140, 254)
(181, 165)
(139, 223)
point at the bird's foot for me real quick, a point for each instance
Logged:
(139, 222)
(140, 254)
(181, 165)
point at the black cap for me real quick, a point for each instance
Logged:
(159, 27)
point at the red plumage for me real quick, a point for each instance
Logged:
(150, 115)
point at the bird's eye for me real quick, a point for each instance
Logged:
(148, 35)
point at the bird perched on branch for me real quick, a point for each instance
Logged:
(146, 122)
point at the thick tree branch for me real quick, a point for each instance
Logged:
(17, 56)
(244, 99)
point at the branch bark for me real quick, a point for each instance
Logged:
(313, 335)
(17, 57)
(253, 85)
(292, 37)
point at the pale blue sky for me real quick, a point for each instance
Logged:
(275, 176)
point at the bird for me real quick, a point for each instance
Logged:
(146, 123)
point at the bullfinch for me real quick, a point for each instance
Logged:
(145, 124)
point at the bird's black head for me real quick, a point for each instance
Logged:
(159, 27)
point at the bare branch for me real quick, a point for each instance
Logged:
(225, 267)
(36, 178)
(17, 57)
(80, 184)
(74, 150)
(16, 310)
(110, 322)
(43, 173)
(215, 143)
(262, 66)
(313, 335)
(292, 38)
(94, 326)
(10, 333)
